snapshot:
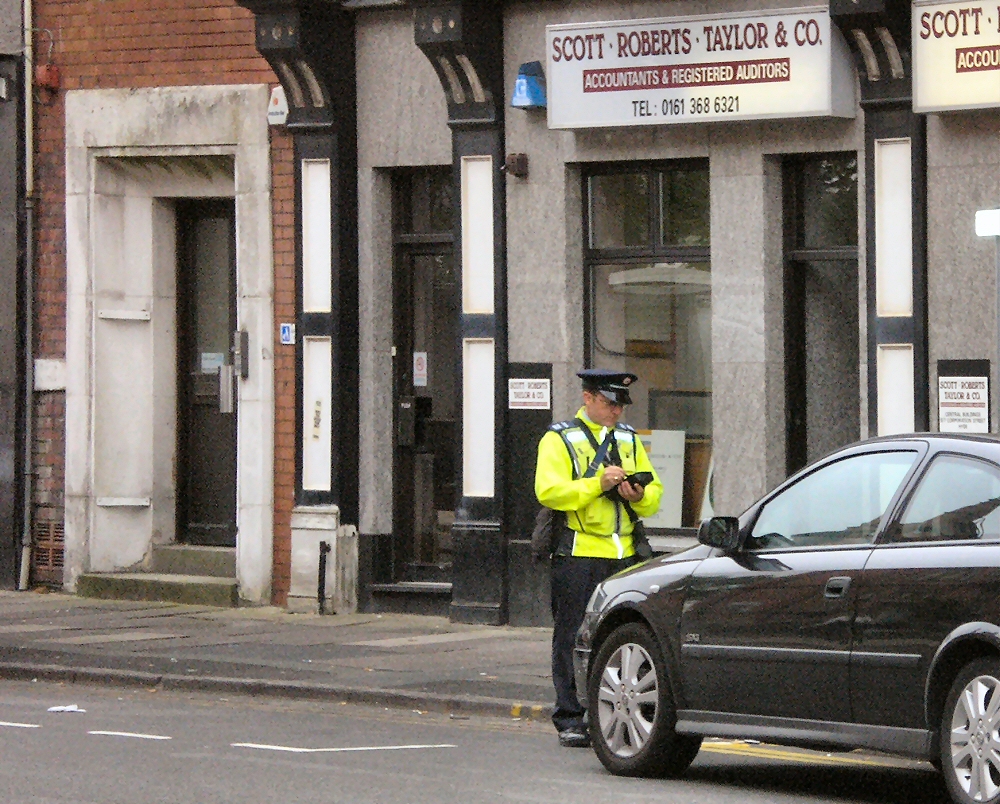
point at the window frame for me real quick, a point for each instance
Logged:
(632, 255)
(889, 516)
(653, 251)
(885, 537)
(796, 257)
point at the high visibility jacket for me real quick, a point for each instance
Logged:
(602, 527)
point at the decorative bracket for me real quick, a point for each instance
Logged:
(463, 42)
(878, 33)
(306, 44)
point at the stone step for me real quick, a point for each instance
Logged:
(189, 559)
(198, 590)
(411, 597)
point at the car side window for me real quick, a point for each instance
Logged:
(840, 504)
(957, 498)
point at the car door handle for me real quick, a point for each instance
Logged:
(837, 587)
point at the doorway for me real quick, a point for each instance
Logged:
(426, 380)
(206, 398)
(822, 334)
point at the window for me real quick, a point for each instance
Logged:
(822, 334)
(958, 498)
(650, 287)
(841, 503)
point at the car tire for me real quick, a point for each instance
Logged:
(631, 710)
(970, 734)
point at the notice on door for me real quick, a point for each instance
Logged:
(732, 66)
(420, 369)
(963, 404)
(523, 394)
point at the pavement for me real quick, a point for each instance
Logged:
(399, 660)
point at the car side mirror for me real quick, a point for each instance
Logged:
(720, 531)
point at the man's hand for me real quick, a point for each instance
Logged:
(612, 476)
(632, 492)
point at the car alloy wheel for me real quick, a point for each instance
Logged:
(970, 734)
(627, 700)
(631, 707)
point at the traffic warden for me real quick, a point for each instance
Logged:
(582, 469)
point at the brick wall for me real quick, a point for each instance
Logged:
(144, 43)
(283, 203)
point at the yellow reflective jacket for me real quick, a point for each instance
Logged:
(602, 527)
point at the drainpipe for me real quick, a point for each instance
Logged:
(29, 296)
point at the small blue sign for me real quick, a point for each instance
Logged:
(287, 334)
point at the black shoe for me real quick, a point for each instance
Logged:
(574, 738)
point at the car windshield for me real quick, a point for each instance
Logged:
(840, 503)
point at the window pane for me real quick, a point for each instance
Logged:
(684, 207)
(830, 202)
(958, 498)
(427, 204)
(655, 320)
(619, 210)
(841, 503)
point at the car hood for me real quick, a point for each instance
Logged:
(656, 574)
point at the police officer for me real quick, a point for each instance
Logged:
(596, 539)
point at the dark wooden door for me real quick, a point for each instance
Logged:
(206, 412)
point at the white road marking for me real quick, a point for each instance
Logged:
(28, 629)
(294, 750)
(19, 725)
(129, 636)
(130, 734)
(427, 639)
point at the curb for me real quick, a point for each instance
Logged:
(300, 690)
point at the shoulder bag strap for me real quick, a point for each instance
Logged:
(599, 451)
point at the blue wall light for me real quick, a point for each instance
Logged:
(529, 88)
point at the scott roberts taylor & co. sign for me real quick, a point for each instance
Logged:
(956, 56)
(791, 63)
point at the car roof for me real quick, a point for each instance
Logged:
(975, 443)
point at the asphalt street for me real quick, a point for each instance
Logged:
(140, 745)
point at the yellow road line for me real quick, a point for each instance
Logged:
(773, 752)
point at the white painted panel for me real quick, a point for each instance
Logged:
(893, 228)
(895, 388)
(665, 450)
(478, 406)
(988, 223)
(316, 243)
(477, 234)
(316, 400)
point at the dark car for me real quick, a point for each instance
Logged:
(856, 606)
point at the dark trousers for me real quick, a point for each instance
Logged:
(573, 582)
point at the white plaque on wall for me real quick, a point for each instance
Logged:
(736, 66)
(956, 56)
(529, 394)
(963, 404)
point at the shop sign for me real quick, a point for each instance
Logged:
(747, 66)
(956, 56)
(528, 394)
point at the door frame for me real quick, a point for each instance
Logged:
(132, 150)
(190, 210)
(406, 247)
